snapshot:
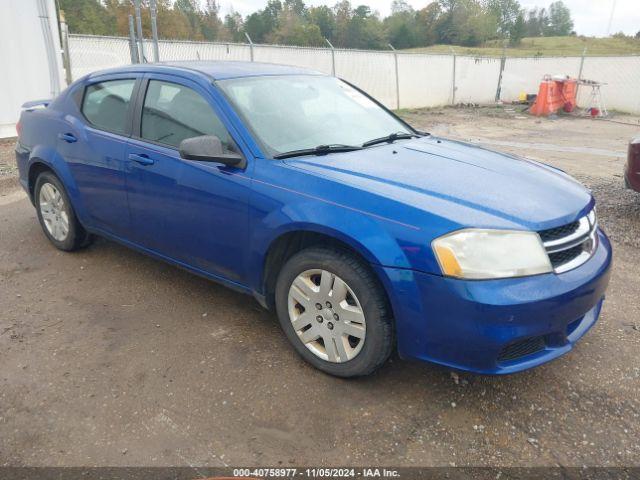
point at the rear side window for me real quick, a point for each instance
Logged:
(105, 104)
(173, 113)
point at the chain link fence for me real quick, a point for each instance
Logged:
(397, 79)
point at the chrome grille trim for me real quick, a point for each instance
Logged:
(586, 235)
(572, 240)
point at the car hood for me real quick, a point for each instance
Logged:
(490, 189)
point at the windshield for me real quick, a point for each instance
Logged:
(297, 112)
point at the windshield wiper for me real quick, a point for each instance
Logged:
(390, 138)
(319, 150)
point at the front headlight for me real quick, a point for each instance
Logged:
(480, 254)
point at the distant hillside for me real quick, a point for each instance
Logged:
(547, 46)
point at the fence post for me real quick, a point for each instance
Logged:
(250, 45)
(453, 80)
(333, 57)
(584, 54)
(66, 57)
(139, 28)
(133, 47)
(154, 30)
(395, 58)
(503, 62)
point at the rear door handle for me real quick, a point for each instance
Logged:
(142, 159)
(67, 137)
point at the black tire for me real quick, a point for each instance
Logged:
(77, 237)
(379, 339)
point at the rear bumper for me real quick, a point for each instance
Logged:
(496, 326)
(22, 161)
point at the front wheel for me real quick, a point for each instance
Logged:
(334, 312)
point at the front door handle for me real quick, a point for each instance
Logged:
(67, 137)
(142, 159)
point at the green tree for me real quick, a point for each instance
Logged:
(365, 30)
(324, 18)
(271, 13)
(401, 25)
(88, 16)
(517, 31)
(343, 14)
(464, 22)
(295, 30)
(560, 22)
(459, 22)
(506, 14)
(426, 24)
(234, 26)
(536, 22)
(210, 20)
(297, 7)
(256, 27)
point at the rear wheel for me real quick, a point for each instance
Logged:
(334, 312)
(56, 215)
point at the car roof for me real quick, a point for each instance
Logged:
(218, 70)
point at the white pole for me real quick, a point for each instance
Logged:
(333, 57)
(250, 45)
(139, 28)
(154, 30)
(395, 59)
(613, 9)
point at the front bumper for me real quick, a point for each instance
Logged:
(496, 326)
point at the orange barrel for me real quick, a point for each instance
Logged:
(549, 98)
(554, 95)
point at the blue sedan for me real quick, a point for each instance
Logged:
(363, 234)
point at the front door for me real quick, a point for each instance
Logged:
(194, 212)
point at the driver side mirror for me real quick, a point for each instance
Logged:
(208, 148)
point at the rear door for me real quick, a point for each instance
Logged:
(191, 211)
(93, 145)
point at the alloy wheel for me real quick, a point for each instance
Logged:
(54, 212)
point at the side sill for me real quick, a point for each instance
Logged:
(238, 287)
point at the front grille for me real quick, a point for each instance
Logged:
(521, 348)
(565, 256)
(559, 232)
(572, 244)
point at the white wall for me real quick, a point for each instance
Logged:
(476, 79)
(622, 78)
(25, 66)
(425, 80)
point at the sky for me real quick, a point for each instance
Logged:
(591, 17)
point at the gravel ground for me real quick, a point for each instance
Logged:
(618, 209)
(7, 158)
(111, 358)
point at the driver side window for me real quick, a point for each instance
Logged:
(172, 113)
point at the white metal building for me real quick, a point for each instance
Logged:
(30, 56)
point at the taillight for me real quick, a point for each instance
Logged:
(18, 128)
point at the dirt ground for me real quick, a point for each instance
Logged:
(112, 358)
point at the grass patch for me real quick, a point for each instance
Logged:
(545, 46)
